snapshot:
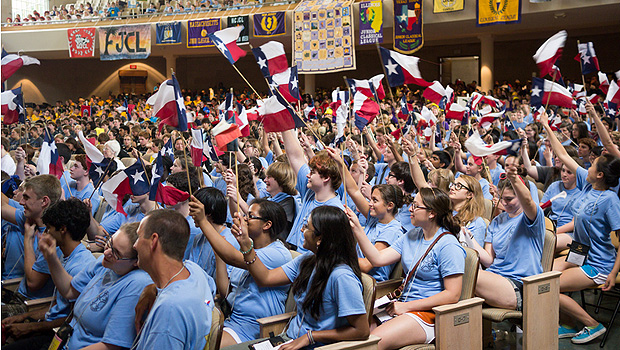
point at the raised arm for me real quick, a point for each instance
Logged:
(458, 156)
(602, 131)
(62, 279)
(376, 257)
(8, 212)
(556, 145)
(530, 208)
(352, 189)
(372, 143)
(531, 169)
(294, 152)
(411, 148)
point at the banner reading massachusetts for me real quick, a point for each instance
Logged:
(323, 36)
(198, 32)
(269, 24)
(124, 42)
(81, 42)
(408, 35)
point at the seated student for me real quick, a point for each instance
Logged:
(513, 245)
(586, 145)
(386, 158)
(258, 174)
(179, 181)
(436, 281)
(39, 193)
(115, 278)
(475, 167)
(326, 281)
(495, 169)
(382, 228)
(522, 172)
(561, 212)
(596, 213)
(201, 251)
(441, 179)
(317, 182)
(13, 251)
(66, 222)
(248, 301)
(400, 176)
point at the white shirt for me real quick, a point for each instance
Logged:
(8, 164)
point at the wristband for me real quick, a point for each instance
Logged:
(251, 261)
(310, 338)
(250, 249)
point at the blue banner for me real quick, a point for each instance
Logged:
(168, 33)
(269, 24)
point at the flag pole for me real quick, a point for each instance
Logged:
(189, 182)
(344, 173)
(351, 122)
(237, 180)
(385, 76)
(247, 82)
(583, 79)
(62, 164)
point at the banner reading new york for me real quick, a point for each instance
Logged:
(497, 11)
(198, 32)
(269, 24)
(408, 29)
(124, 42)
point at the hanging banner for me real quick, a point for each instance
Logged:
(408, 35)
(124, 42)
(198, 30)
(490, 12)
(269, 24)
(371, 22)
(244, 36)
(441, 6)
(81, 42)
(323, 36)
(168, 33)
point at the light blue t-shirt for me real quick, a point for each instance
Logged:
(343, 296)
(447, 258)
(596, 213)
(478, 228)
(561, 207)
(518, 244)
(13, 266)
(85, 193)
(495, 173)
(386, 233)
(202, 253)
(296, 237)
(404, 217)
(104, 311)
(181, 315)
(250, 302)
(484, 183)
(78, 260)
(382, 170)
(112, 221)
(261, 186)
(193, 232)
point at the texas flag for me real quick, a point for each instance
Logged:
(455, 111)
(611, 109)
(271, 58)
(11, 63)
(365, 110)
(197, 147)
(405, 110)
(478, 148)
(226, 41)
(96, 171)
(93, 154)
(133, 181)
(49, 162)
(276, 116)
(435, 92)
(13, 106)
(168, 150)
(488, 116)
(161, 193)
(168, 105)
(549, 52)
(587, 57)
(544, 91)
(225, 133)
(603, 82)
(287, 83)
(402, 69)
(371, 87)
(613, 94)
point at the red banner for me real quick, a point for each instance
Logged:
(81, 42)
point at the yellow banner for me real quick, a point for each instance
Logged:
(441, 6)
(498, 11)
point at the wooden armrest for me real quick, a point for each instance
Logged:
(461, 305)
(274, 323)
(541, 277)
(459, 326)
(368, 344)
(541, 304)
(12, 284)
(37, 304)
(385, 287)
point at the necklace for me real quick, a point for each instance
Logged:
(170, 280)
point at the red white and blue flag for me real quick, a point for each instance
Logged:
(271, 58)
(168, 105)
(550, 52)
(587, 57)
(479, 148)
(613, 94)
(11, 63)
(406, 109)
(277, 116)
(161, 193)
(49, 162)
(402, 69)
(132, 180)
(435, 92)
(198, 147)
(488, 116)
(96, 171)
(13, 107)
(226, 41)
(364, 109)
(603, 82)
(544, 91)
(225, 133)
(371, 87)
(287, 83)
(455, 111)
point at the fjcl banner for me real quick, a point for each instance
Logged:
(125, 42)
(498, 11)
(269, 24)
(168, 33)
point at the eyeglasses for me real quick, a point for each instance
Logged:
(252, 217)
(459, 186)
(415, 206)
(115, 252)
(391, 174)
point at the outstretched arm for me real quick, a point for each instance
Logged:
(556, 145)
(294, 152)
(352, 189)
(411, 148)
(531, 169)
(602, 131)
(376, 257)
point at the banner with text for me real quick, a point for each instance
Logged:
(168, 33)
(198, 30)
(81, 42)
(408, 29)
(323, 36)
(497, 11)
(371, 22)
(269, 24)
(244, 36)
(441, 6)
(124, 42)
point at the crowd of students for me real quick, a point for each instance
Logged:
(287, 211)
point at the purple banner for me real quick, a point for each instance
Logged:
(408, 35)
(269, 24)
(198, 32)
(371, 22)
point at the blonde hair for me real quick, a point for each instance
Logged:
(474, 206)
(441, 178)
(284, 175)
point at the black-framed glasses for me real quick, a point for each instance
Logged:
(415, 206)
(459, 186)
(252, 217)
(115, 252)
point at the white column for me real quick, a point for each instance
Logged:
(171, 64)
(309, 84)
(486, 62)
